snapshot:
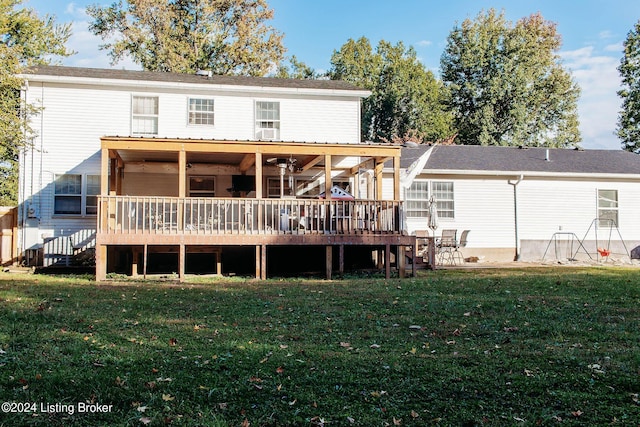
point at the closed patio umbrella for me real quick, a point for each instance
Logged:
(432, 216)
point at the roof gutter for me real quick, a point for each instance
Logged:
(150, 84)
(533, 174)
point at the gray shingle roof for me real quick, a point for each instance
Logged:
(101, 73)
(513, 159)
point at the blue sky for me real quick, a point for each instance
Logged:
(592, 33)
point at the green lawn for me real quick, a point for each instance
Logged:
(485, 347)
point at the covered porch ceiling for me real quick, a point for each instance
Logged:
(139, 153)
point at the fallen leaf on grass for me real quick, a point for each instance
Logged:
(397, 421)
(145, 420)
(245, 423)
(577, 413)
(141, 408)
(414, 414)
(374, 346)
(279, 369)
(173, 342)
(167, 397)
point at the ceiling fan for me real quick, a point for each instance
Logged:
(284, 164)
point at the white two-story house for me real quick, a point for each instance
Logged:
(162, 173)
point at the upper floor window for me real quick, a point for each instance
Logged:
(144, 115)
(608, 208)
(267, 120)
(70, 198)
(201, 111)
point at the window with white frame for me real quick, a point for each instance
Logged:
(267, 120)
(71, 198)
(442, 192)
(92, 192)
(144, 115)
(417, 199)
(273, 187)
(201, 111)
(608, 208)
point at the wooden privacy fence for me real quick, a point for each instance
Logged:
(192, 215)
(8, 235)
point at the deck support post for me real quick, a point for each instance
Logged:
(145, 255)
(181, 262)
(400, 260)
(387, 261)
(341, 259)
(328, 261)
(414, 251)
(263, 268)
(135, 254)
(101, 262)
(258, 262)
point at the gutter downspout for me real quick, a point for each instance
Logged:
(515, 214)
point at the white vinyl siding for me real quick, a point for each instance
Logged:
(73, 118)
(144, 115)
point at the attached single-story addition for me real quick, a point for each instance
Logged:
(164, 173)
(516, 201)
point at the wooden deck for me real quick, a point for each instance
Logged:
(218, 222)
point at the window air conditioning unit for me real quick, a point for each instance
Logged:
(267, 134)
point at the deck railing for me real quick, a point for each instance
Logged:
(194, 215)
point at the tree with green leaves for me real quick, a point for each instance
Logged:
(406, 98)
(225, 36)
(296, 70)
(629, 119)
(25, 40)
(507, 83)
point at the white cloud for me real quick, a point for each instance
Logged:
(597, 75)
(424, 43)
(605, 35)
(616, 47)
(87, 45)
